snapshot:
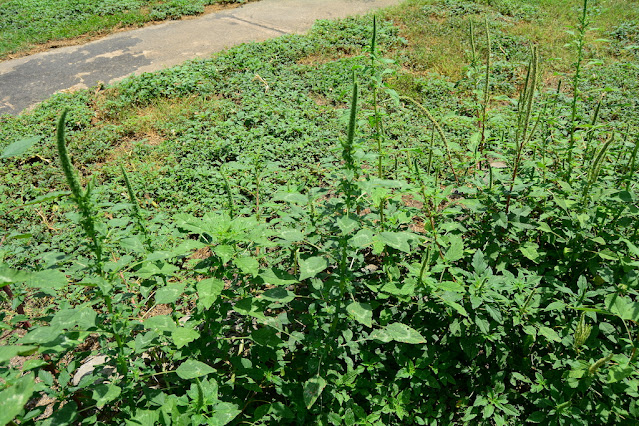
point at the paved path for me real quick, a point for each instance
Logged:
(26, 81)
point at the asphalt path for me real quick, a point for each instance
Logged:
(26, 81)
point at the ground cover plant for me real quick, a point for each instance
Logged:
(24, 24)
(336, 228)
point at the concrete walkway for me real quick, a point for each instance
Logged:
(26, 81)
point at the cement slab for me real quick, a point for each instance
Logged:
(26, 81)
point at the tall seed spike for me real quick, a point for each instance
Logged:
(65, 161)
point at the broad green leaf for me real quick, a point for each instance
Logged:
(407, 288)
(623, 307)
(66, 319)
(182, 336)
(224, 413)
(190, 369)
(537, 417)
(266, 336)
(500, 219)
(452, 286)
(159, 255)
(361, 312)
(312, 390)
(42, 335)
(483, 325)
(105, 393)
(252, 307)
(488, 411)
(65, 416)
(13, 399)
(48, 197)
(456, 249)
(557, 305)
(494, 312)
(8, 275)
(48, 278)
(160, 323)
(530, 330)
(530, 251)
(169, 293)
(608, 254)
(362, 239)
(143, 341)
(248, 265)
(133, 244)
(549, 333)
(150, 269)
(291, 197)
(278, 409)
(347, 224)
(145, 418)
(186, 247)
(456, 306)
(397, 240)
(291, 235)
(213, 224)
(8, 352)
(19, 147)
(617, 373)
(30, 364)
(479, 263)
(632, 247)
(544, 227)
(279, 294)
(404, 334)
(208, 291)
(278, 277)
(565, 203)
(312, 266)
(380, 334)
(17, 236)
(225, 252)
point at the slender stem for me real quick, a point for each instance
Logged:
(581, 38)
(631, 168)
(486, 89)
(439, 130)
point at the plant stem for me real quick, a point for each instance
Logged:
(583, 26)
(440, 131)
(81, 198)
(486, 90)
(522, 135)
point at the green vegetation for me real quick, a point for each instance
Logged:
(27, 23)
(356, 226)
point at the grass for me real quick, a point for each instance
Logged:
(28, 25)
(439, 31)
(336, 228)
